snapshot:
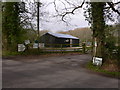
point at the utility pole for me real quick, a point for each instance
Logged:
(38, 21)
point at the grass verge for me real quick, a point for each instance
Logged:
(98, 69)
(35, 52)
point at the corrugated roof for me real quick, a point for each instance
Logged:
(63, 35)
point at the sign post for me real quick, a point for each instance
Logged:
(96, 61)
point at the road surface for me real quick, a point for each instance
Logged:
(62, 71)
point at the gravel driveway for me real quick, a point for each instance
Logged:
(63, 71)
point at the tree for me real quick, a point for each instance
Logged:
(111, 42)
(17, 22)
(98, 27)
(14, 20)
(11, 24)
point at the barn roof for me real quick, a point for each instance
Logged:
(63, 35)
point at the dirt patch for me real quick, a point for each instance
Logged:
(111, 68)
(111, 65)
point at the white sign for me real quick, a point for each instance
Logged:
(21, 47)
(27, 42)
(35, 45)
(41, 45)
(97, 61)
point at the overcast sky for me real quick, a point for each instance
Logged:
(54, 24)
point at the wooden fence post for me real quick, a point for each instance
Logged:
(61, 48)
(84, 47)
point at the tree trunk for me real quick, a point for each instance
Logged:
(98, 25)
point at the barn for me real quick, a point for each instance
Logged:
(59, 40)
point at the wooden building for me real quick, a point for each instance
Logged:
(59, 40)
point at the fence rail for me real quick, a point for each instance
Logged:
(61, 45)
(49, 49)
(65, 47)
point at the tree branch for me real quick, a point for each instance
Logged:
(112, 7)
(72, 12)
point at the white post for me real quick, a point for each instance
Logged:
(95, 47)
(70, 42)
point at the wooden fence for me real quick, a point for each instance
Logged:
(66, 48)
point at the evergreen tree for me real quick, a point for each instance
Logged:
(11, 29)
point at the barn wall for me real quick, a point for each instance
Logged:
(75, 41)
(63, 41)
(51, 41)
(48, 40)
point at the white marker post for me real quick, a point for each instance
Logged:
(96, 61)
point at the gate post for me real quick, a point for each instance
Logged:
(83, 47)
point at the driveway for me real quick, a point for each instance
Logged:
(62, 71)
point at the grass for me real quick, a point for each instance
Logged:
(35, 52)
(98, 69)
(8, 53)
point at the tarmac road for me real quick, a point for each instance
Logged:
(65, 71)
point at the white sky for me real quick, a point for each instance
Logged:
(55, 24)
